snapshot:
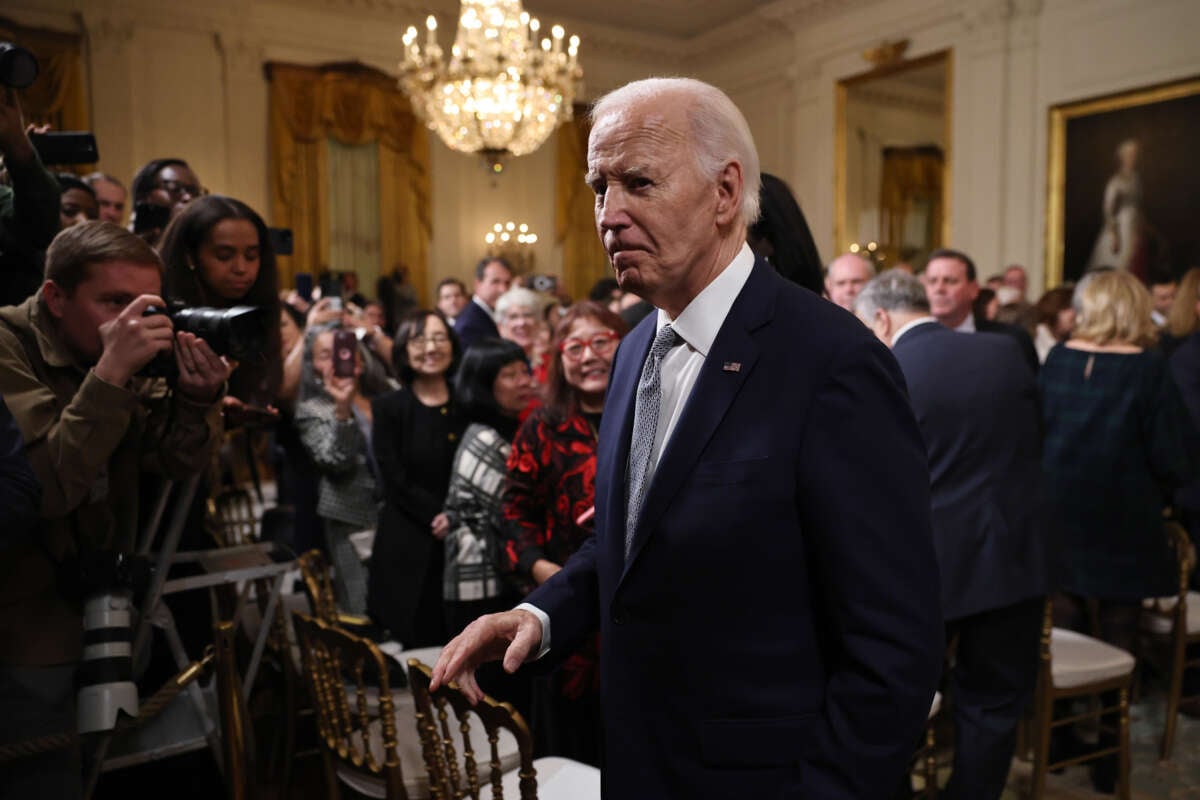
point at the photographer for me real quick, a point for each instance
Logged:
(28, 207)
(162, 188)
(217, 253)
(69, 363)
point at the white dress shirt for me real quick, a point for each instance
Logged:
(697, 326)
(967, 325)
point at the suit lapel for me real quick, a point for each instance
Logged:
(616, 429)
(714, 391)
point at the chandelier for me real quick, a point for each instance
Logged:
(514, 243)
(503, 91)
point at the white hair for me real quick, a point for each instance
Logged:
(720, 133)
(518, 297)
(892, 290)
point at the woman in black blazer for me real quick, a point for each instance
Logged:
(416, 433)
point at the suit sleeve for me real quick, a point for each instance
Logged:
(864, 504)
(571, 599)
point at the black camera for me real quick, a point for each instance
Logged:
(239, 333)
(18, 66)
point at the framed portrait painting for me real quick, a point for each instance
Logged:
(1124, 183)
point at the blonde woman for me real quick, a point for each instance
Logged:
(1118, 441)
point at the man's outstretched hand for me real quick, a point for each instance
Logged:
(511, 635)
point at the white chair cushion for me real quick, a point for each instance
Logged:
(1077, 660)
(412, 762)
(1162, 624)
(557, 779)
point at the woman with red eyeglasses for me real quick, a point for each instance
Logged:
(548, 498)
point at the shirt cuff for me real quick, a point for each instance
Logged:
(543, 618)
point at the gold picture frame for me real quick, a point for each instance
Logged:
(841, 225)
(1150, 114)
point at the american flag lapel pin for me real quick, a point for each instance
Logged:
(732, 366)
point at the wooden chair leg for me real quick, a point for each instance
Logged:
(1123, 739)
(931, 778)
(1178, 650)
(1042, 717)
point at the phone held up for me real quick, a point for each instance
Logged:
(345, 351)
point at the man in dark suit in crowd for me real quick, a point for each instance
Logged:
(768, 627)
(477, 320)
(952, 287)
(977, 405)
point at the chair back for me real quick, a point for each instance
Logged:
(452, 778)
(231, 518)
(319, 586)
(348, 680)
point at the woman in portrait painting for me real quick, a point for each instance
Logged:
(1122, 240)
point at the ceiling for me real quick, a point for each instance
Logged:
(680, 19)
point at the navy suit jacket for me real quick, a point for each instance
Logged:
(977, 404)
(1014, 332)
(775, 632)
(473, 324)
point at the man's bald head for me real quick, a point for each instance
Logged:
(845, 277)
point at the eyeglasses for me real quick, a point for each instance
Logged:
(178, 189)
(602, 344)
(435, 339)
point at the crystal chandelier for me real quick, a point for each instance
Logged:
(502, 92)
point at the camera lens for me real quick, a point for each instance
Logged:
(18, 66)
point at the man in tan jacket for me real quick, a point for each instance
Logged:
(69, 362)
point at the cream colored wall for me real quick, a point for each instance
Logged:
(176, 78)
(1012, 60)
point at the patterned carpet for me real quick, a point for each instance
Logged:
(1176, 779)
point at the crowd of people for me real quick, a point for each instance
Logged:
(447, 458)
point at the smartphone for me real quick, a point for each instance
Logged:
(345, 347)
(65, 147)
(282, 244)
(330, 285)
(304, 286)
(149, 217)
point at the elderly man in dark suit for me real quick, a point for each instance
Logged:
(977, 405)
(477, 319)
(769, 627)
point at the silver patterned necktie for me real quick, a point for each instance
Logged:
(645, 426)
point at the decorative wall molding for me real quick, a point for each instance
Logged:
(109, 35)
(242, 55)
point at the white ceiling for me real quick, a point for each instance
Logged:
(682, 19)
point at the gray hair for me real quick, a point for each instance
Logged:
(720, 134)
(892, 290)
(518, 297)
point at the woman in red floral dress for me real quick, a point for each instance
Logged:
(548, 504)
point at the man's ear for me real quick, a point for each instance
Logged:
(883, 326)
(55, 299)
(730, 186)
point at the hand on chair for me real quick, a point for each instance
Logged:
(511, 635)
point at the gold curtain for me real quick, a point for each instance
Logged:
(354, 105)
(59, 95)
(911, 176)
(584, 259)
